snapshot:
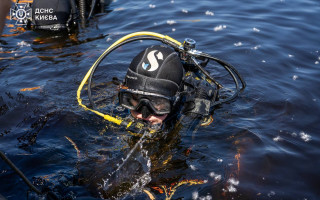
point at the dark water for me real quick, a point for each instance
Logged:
(265, 145)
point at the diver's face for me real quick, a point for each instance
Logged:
(153, 119)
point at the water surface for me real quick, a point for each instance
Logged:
(265, 145)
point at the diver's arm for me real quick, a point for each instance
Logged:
(4, 9)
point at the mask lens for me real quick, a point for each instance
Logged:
(134, 100)
(159, 105)
(128, 100)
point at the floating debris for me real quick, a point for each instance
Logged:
(290, 56)
(219, 28)
(169, 192)
(216, 177)
(231, 188)
(193, 167)
(219, 160)
(173, 29)
(238, 44)
(271, 193)
(152, 6)
(195, 195)
(170, 22)
(74, 145)
(305, 137)
(255, 29)
(233, 181)
(30, 89)
(209, 13)
(184, 11)
(167, 160)
(277, 139)
(256, 47)
(294, 77)
(150, 195)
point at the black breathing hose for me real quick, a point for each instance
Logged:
(206, 73)
(24, 178)
(82, 8)
(73, 11)
(50, 195)
(93, 4)
(233, 73)
(226, 65)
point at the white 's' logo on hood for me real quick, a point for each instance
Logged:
(152, 60)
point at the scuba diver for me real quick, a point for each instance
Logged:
(55, 15)
(165, 89)
(155, 85)
(165, 95)
(163, 81)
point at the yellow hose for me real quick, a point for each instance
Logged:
(86, 77)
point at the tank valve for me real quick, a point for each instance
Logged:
(189, 44)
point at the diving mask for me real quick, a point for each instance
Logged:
(145, 103)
